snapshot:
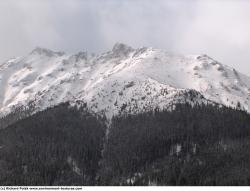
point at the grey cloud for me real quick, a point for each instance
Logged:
(217, 28)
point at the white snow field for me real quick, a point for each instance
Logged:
(121, 80)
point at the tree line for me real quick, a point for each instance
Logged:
(189, 145)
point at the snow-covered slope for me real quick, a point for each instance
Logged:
(121, 80)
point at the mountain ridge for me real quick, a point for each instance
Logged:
(123, 80)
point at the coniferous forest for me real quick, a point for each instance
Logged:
(190, 145)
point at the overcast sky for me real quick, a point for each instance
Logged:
(219, 28)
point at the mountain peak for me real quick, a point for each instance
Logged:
(47, 52)
(120, 49)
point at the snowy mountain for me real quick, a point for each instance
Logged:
(121, 80)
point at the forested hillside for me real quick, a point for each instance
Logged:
(58, 146)
(200, 145)
(190, 145)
